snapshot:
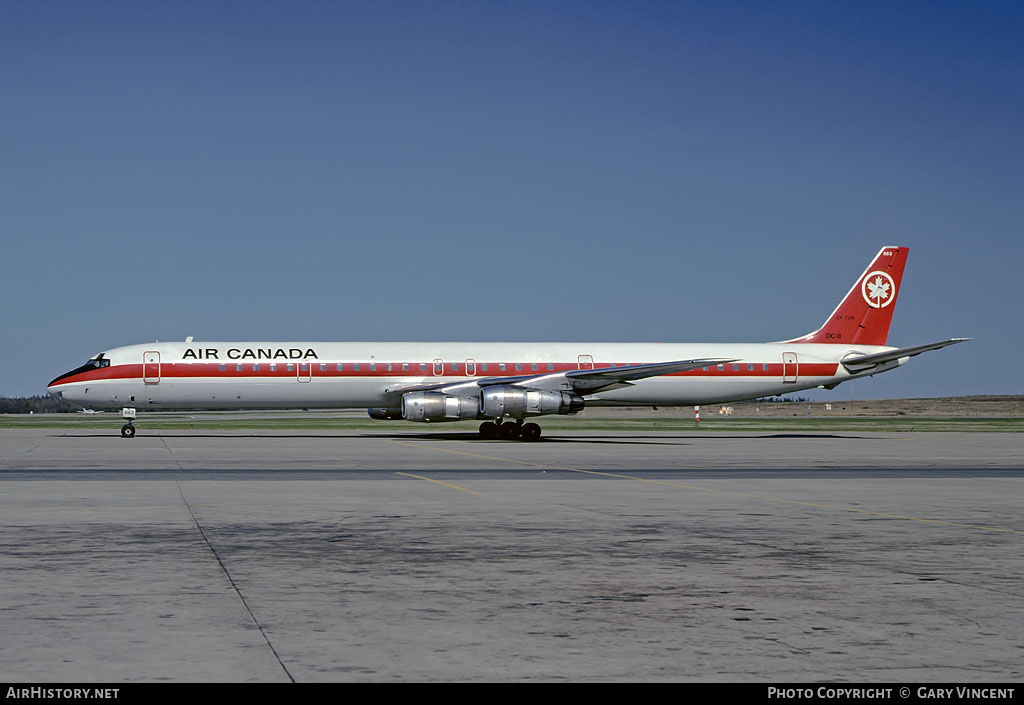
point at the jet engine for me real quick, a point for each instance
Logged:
(517, 402)
(435, 406)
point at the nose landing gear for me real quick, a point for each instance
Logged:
(128, 430)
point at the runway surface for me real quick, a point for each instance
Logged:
(412, 556)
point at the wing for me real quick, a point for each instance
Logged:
(859, 363)
(586, 381)
(593, 380)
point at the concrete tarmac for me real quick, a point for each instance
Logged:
(433, 556)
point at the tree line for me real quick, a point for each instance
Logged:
(37, 405)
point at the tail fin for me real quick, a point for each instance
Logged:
(863, 317)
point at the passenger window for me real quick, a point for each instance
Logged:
(341, 367)
(483, 366)
(290, 367)
(222, 367)
(519, 366)
(455, 367)
(388, 368)
(273, 367)
(550, 367)
(256, 367)
(323, 367)
(533, 366)
(423, 367)
(501, 366)
(405, 367)
(238, 368)
(373, 367)
(355, 366)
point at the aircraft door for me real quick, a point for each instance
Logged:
(789, 367)
(304, 371)
(585, 362)
(151, 367)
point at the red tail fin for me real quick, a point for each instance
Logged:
(864, 316)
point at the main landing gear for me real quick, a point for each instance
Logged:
(509, 430)
(128, 430)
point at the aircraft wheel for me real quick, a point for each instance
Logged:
(509, 430)
(488, 430)
(531, 432)
(127, 431)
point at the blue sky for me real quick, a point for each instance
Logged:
(649, 171)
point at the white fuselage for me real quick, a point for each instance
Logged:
(257, 375)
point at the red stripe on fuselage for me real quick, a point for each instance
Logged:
(205, 370)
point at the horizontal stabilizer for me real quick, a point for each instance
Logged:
(859, 363)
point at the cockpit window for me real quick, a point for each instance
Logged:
(98, 361)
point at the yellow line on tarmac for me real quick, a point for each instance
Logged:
(724, 492)
(474, 455)
(444, 484)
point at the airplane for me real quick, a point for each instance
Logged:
(502, 384)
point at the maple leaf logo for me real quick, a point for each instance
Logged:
(878, 289)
